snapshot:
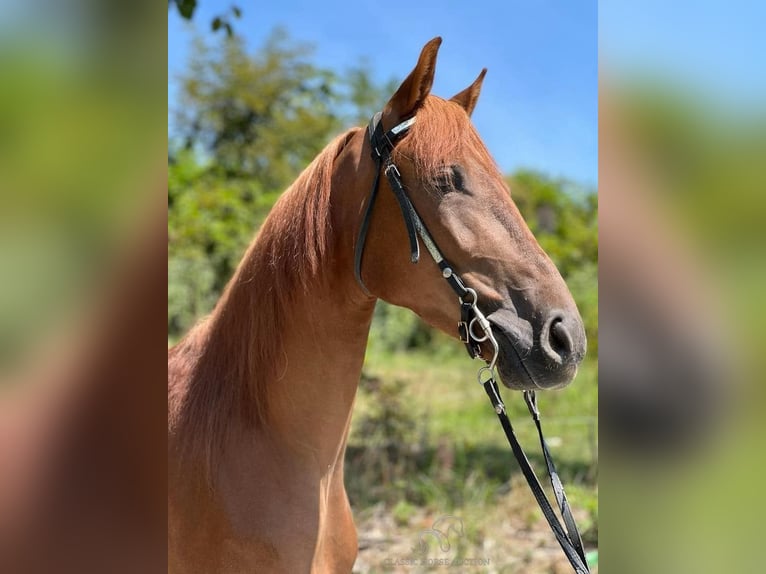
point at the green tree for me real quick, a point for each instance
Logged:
(246, 125)
(262, 117)
(210, 222)
(223, 21)
(365, 96)
(564, 219)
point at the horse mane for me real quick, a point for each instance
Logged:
(231, 356)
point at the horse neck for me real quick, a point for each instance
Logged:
(323, 334)
(310, 403)
(326, 336)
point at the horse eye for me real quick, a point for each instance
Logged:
(449, 179)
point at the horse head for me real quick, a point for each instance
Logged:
(464, 202)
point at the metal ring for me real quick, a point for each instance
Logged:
(481, 339)
(470, 291)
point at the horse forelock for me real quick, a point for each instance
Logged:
(443, 134)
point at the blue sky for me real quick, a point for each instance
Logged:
(715, 49)
(538, 107)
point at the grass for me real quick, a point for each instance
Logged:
(442, 451)
(445, 394)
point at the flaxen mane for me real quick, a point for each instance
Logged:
(227, 358)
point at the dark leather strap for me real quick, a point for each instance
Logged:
(382, 144)
(558, 488)
(573, 550)
(408, 210)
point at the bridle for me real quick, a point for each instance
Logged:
(382, 143)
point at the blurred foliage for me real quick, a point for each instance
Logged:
(708, 160)
(244, 128)
(707, 163)
(704, 176)
(223, 21)
(246, 124)
(79, 150)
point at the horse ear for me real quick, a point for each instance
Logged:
(413, 91)
(467, 98)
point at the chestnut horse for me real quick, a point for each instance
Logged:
(261, 392)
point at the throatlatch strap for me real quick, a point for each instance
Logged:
(362, 237)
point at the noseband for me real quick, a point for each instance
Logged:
(382, 143)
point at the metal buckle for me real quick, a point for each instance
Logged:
(462, 330)
(392, 167)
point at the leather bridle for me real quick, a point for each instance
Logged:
(382, 143)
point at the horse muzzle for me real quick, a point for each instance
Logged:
(544, 356)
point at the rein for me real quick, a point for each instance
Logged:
(382, 144)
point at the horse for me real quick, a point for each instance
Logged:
(260, 393)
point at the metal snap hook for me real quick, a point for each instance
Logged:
(488, 370)
(487, 336)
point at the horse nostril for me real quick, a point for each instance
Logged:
(561, 340)
(556, 340)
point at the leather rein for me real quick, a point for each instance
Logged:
(471, 318)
